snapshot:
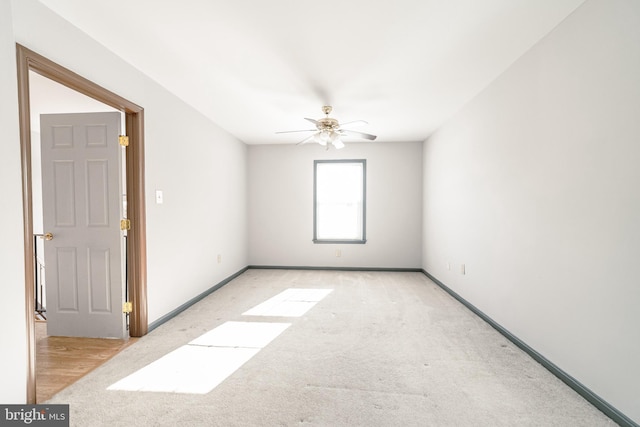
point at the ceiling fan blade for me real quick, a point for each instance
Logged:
(359, 134)
(315, 122)
(292, 131)
(355, 123)
(304, 141)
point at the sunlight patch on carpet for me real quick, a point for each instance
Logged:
(205, 362)
(289, 303)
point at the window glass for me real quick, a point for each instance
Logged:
(339, 201)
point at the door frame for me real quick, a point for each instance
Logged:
(27, 60)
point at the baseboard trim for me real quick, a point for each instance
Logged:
(287, 267)
(194, 300)
(582, 390)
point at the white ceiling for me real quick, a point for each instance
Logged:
(258, 67)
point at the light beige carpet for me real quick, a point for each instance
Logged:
(382, 349)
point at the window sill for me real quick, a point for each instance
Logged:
(338, 241)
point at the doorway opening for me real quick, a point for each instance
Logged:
(29, 61)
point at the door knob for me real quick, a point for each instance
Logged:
(48, 236)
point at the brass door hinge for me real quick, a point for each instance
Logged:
(125, 224)
(127, 307)
(123, 140)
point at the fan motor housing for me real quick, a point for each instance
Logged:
(327, 124)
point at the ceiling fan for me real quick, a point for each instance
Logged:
(329, 131)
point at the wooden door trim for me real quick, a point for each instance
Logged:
(28, 60)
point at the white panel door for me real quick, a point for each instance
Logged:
(82, 207)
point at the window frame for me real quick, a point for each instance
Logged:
(364, 203)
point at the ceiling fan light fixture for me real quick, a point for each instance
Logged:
(321, 138)
(334, 138)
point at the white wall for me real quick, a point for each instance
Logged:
(13, 338)
(534, 186)
(281, 206)
(201, 169)
(202, 173)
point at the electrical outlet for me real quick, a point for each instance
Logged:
(448, 266)
(462, 269)
(338, 253)
(219, 258)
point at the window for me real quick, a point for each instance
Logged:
(339, 202)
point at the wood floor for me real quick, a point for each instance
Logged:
(61, 361)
